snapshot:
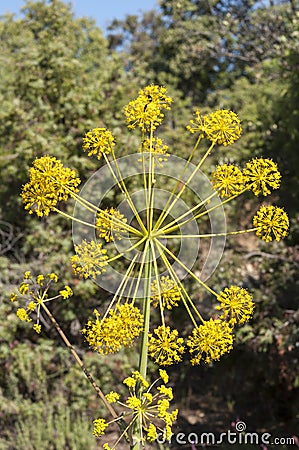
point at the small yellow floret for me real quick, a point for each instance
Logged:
(112, 397)
(23, 315)
(66, 292)
(99, 427)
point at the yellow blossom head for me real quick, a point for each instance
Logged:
(261, 175)
(166, 294)
(271, 222)
(110, 224)
(210, 341)
(90, 259)
(222, 126)
(228, 180)
(98, 142)
(99, 427)
(146, 110)
(165, 347)
(120, 328)
(236, 304)
(155, 147)
(50, 182)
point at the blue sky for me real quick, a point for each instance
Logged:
(103, 11)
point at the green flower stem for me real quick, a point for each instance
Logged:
(140, 270)
(146, 314)
(122, 286)
(197, 216)
(186, 269)
(114, 258)
(157, 281)
(151, 182)
(166, 212)
(79, 361)
(249, 230)
(123, 189)
(178, 281)
(161, 218)
(92, 208)
(137, 429)
(168, 226)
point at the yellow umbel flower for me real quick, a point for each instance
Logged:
(90, 259)
(156, 147)
(99, 427)
(112, 397)
(108, 228)
(169, 293)
(66, 292)
(146, 110)
(50, 182)
(35, 292)
(166, 348)
(271, 222)
(228, 180)
(152, 434)
(152, 408)
(221, 126)
(135, 403)
(120, 328)
(164, 376)
(23, 315)
(260, 175)
(210, 341)
(37, 328)
(236, 304)
(98, 141)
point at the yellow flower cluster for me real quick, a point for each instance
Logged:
(109, 224)
(90, 259)
(236, 305)
(261, 174)
(271, 222)
(228, 180)
(222, 126)
(34, 292)
(146, 110)
(156, 147)
(98, 141)
(50, 182)
(119, 329)
(99, 427)
(166, 347)
(166, 294)
(210, 341)
(151, 408)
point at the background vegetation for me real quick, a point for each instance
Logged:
(59, 76)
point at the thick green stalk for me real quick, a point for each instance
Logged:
(136, 435)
